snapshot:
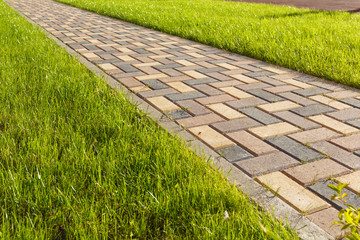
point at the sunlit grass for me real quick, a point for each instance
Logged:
(325, 44)
(78, 161)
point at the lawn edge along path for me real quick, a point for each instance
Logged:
(262, 196)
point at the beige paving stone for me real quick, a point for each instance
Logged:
(211, 137)
(181, 87)
(294, 194)
(126, 58)
(236, 92)
(275, 70)
(161, 56)
(297, 83)
(251, 143)
(195, 55)
(313, 172)
(225, 111)
(273, 130)
(149, 77)
(125, 50)
(108, 67)
(244, 79)
(353, 179)
(314, 135)
(215, 99)
(140, 89)
(230, 83)
(325, 218)
(148, 64)
(281, 89)
(350, 143)
(185, 63)
(163, 104)
(195, 74)
(91, 56)
(278, 106)
(200, 120)
(334, 124)
(343, 94)
(227, 66)
(330, 102)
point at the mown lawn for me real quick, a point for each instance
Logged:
(78, 160)
(322, 43)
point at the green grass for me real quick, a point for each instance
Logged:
(325, 44)
(78, 160)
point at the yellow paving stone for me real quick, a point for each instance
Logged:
(181, 87)
(353, 179)
(334, 124)
(330, 102)
(95, 41)
(154, 76)
(90, 55)
(139, 44)
(244, 79)
(293, 193)
(211, 137)
(185, 63)
(148, 64)
(163, 104)
(236, 92)
(227, 66)
(274, 70)
(126, 58)
(140, 89)
(108, 67)
(161, 56)
(125, 50)
(226, 111)
(278, 106)
(273, 130)
(194, 74)
(297, 83)
(343, 94)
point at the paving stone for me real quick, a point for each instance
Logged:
(273, 130)
(283, 77)
(193, 107)
(314, 135)
(297, 99)
(294, 194)
(247, 87)
(330, 102)
(140, 89)
(155, 84)
(278, 106)
(211, 137)
(163, 104)
(355, 123)
(311, 110)
(343, 94)
(211, 70)
(275, 70)
(271, 162)
(108, 67)
(346, 114)
(271, 81)
(334, 124)
(181, 87)
(227, 66)
(280, 89)
(351, 101)
(259, 74)
(215, 99)
(244, 79)
(200, 81)
(156, 93)
(352, 179)
(236, 92)
(332, 86)
(325, 192)
(178, 114)
(311, 91)
(128, 68)
(349, 143)
(235, 125)
(208, 90)
(184, 96)
(260, 116)
(234, 153)
(251, 143)
(150, 77)
(247, 102)
(294, 149)
(265, 95)
(297, 83)
(230, 83)
(195, 74)
(324, 220)
(225, 111)
(313, 172)
(340, 155)
(200, 120)
(297, 120)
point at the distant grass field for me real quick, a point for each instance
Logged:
(325, 44)
(78, 161)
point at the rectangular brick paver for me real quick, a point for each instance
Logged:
(349, 143)
(297, 120)
(274, 130)
(278, 106)
(225, 111)
(236, 92)
(315, 135)
(211, 137)
(200, 120)
(334, 124)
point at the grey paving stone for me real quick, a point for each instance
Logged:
(246, 102)
(210, 70)
(271, 81)
(325, 192)
(355, 123)
(346, 114)
(155, 84)
(127, 68)
(311, 110)
(194, 107)
(178, 114)
(352, 101)
(306, 78)
(297, 120)
(247, 87)
(297, 99)
(260, 116)
(294, 149)
(208, 90)
(265, 95)
(235, 125)
(166, 66)
(311, 91)
(184, 96)
(199, 81)
(234, 153)
(259, 74)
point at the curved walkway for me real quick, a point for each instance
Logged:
(287, 130)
